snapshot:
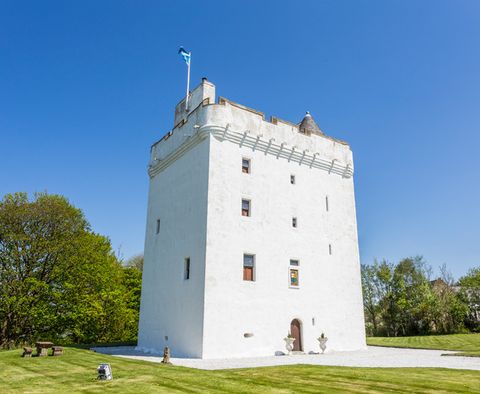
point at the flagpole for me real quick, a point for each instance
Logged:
(188, 81)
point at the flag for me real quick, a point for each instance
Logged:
(185, 54)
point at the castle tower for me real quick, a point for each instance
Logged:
(251, 234)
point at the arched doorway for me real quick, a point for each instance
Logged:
(296, 331)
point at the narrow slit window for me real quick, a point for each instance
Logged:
(329, 249)
(246, 166)
(326, 203)
(157, 231)
(249, 267)
(292, 179)
(294, 222)
(245, 207)
(186, 271)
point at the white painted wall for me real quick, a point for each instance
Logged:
(330, 289)
(170, 305)
(208, 316)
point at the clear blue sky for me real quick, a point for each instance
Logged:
(87, 86)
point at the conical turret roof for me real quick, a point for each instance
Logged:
(308, 125)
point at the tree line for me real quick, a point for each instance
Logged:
(402, 299)
(59, 280)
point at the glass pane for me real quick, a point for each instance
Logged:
(248, 260)
(293, 277)
(294, 262)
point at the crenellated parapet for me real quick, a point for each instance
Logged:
(302, 143)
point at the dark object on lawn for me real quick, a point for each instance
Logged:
(104, 372)
(27, 352)
(57, 350)
(42, 348)
(166, 355)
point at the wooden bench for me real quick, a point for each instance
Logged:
(27, 352)
(57, 350)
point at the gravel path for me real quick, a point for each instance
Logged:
(382, 357)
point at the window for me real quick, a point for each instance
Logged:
(293, 277)
(249, 267)
(330, 249)
(326, 203)
(292, 179)
(246, 166)
(245, 207)
(294, 222)
(158, 226)
(186, 269)
(293, 273)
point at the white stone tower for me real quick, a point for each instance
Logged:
(251, 234)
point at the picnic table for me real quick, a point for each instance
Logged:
(42, 348)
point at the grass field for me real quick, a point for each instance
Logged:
(468, 344)
(75, 371)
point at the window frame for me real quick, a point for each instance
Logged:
(294, 267)
(253, 267)
(249, 167)
(187, 269)
(294, 222)
(249, 210)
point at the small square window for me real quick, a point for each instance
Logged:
(249, 267)
(294, 278)
(186, 270)
(295, 263)
(292, 179)
(158, 227)
(294, 222)
(246, 166)
(245, 207)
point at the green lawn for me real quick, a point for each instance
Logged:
(467, 343)
(75, 371)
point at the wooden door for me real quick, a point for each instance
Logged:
(295, 330)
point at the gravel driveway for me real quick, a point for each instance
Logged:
(383, 357)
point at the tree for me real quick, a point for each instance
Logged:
(470, 294)
(400, 299)
(132, 280)
(58, 279)
(376, 286)
(136, 262)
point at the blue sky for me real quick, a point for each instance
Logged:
(87, 86)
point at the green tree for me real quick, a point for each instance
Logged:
(58, 279)
(399, 299)
(135, 262)
(132, 280)
(470, 294)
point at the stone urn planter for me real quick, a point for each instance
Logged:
(289, 344)
(322, 340)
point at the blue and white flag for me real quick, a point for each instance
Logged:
(185, 54)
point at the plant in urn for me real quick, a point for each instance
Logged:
(289, 339)
(322, 339)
